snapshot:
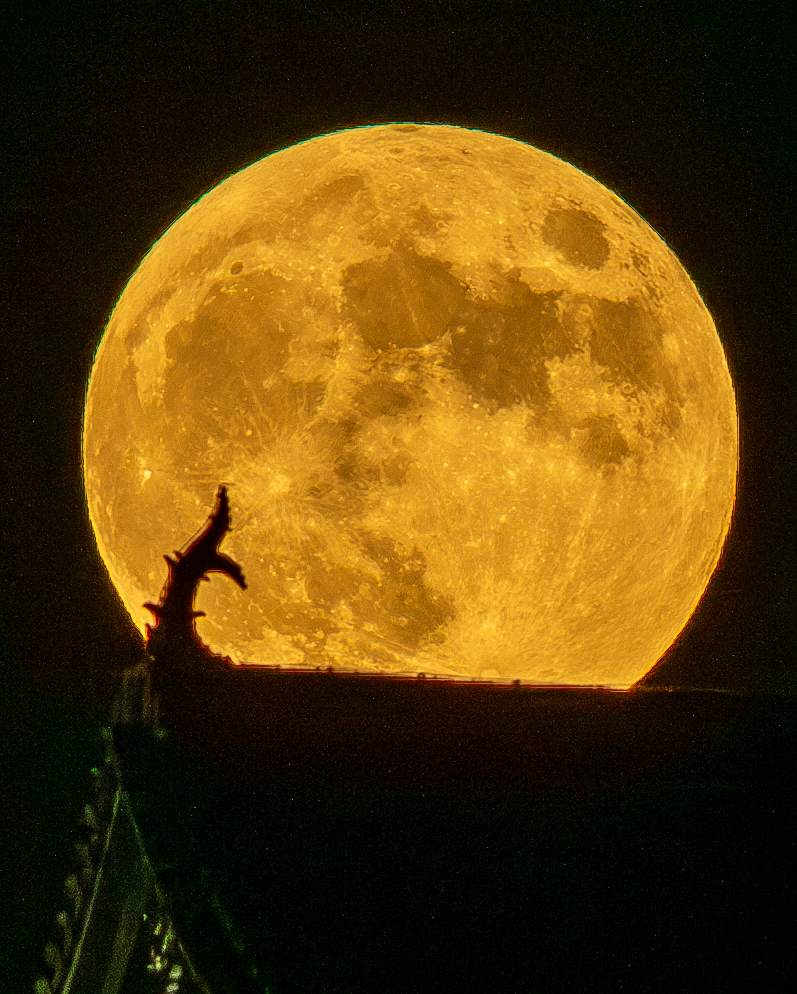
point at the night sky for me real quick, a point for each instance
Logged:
(116, 117)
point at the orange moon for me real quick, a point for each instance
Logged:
(474, 417)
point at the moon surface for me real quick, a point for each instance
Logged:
(474, 418)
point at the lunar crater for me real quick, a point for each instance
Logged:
(578, 235)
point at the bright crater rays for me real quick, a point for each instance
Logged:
(474, 417)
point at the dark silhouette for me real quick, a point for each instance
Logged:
(178, 655)
(174, 613)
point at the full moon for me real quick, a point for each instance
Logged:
(474, 417)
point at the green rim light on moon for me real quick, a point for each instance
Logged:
(474, 418)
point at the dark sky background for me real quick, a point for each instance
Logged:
(117, 116)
